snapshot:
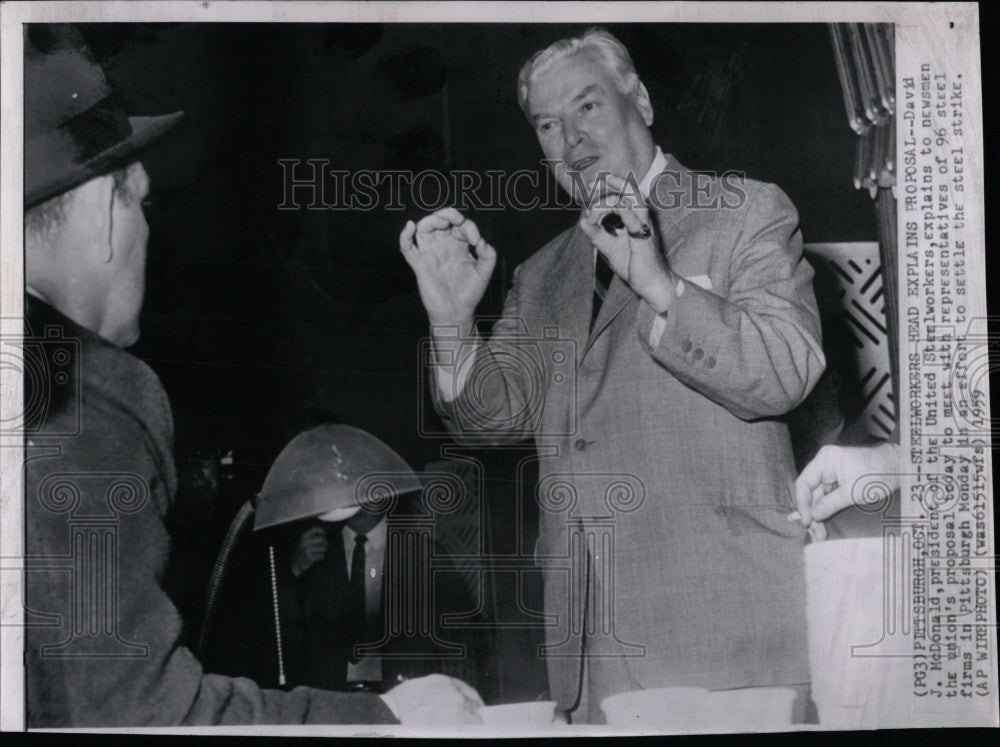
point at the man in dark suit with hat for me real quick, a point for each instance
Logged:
(103, 639)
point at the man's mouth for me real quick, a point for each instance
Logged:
(582, 163)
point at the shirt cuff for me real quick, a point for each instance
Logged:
(660, 320)
(451, 369)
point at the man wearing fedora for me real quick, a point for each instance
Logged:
(650, 351)
(103, 639)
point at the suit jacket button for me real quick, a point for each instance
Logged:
(710, 363)
(698, 354)
(686, 346)
(580, 444)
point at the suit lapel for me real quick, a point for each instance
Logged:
(668, 210)
(619, 296)
(571, 279)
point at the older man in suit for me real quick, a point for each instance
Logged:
(665, 427)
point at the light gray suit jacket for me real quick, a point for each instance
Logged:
(670, 459)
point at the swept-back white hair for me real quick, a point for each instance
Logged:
(604, 47)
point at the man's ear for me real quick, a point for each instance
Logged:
(641, 99)
(94, 216)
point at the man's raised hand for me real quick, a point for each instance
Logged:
(450, 278)
(633, 251)
(310, 549)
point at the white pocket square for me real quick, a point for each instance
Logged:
(702, 281)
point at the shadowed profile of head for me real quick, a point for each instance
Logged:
(84, 230)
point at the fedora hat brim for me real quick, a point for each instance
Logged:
(61, 172)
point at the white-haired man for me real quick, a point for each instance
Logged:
(666, 476)
(103, 639)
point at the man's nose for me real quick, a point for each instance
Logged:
(572, 135)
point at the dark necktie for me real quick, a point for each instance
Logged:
(356, 613)
(603, 275)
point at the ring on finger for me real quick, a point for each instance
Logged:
(643, 233)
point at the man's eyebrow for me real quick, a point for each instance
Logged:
(586, 92)
(593, 87)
